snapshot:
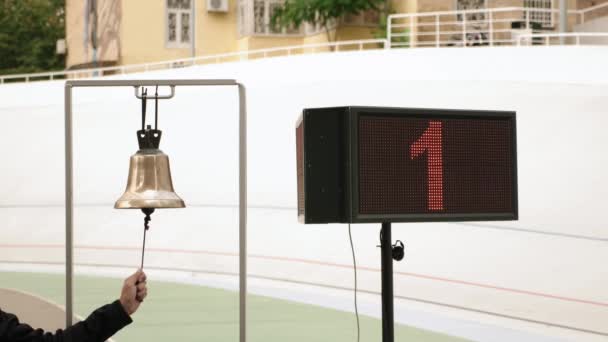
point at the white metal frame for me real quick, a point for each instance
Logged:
(69, 181)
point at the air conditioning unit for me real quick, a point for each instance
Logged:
(217, 5)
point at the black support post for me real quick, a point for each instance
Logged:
(388, 320)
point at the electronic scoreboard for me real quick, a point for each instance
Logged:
(373, 164)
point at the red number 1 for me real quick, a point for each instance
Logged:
(430, 141)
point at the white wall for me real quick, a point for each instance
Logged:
(559, 94)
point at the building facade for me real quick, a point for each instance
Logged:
(121, 32)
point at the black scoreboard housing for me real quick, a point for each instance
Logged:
(327, 142)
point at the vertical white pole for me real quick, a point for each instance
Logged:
(242, 214)
(389, 29)
(464, 30)
(69, 206)
(436, 30)
(266, 16)
(563, 19)
(491, 19)
(193, 28)
(412, 43)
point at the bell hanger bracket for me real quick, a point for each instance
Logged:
(141, 95)
(147, 137)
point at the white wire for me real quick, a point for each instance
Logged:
(352, 247)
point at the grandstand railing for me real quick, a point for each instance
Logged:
(340, 46)
(479, 27)
(592, 12)
(571, 38)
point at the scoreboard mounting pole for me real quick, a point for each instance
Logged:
(385, 165)
(388, 319)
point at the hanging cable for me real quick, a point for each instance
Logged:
(144, 94)
(156, 109)
(147, 219)
(352, 248)
(143, 250)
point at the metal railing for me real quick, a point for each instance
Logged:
(479, 27)
(592, 12)
(570, 38)
(340, 46)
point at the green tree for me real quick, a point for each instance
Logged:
(322, 12)
(29, 30)
(381, 32)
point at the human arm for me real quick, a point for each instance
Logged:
(99, 326)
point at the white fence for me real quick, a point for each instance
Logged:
(480, 27)
(574, 38)
(591, 13)
(349, 45)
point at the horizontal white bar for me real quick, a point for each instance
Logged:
(134, 83)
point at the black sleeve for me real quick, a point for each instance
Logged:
(98, 327)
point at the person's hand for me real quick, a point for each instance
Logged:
(134, 291)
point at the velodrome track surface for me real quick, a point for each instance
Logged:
(187, 312)
(540, 278)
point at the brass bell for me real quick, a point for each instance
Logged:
(149, 184)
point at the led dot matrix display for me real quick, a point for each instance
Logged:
(415, 165)
(406, 165)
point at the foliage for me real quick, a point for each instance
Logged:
(322, 12)
(381, 31)
(29, 30)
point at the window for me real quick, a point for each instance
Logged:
(469, 5)
(179, 23)
(254, 19)
(543, 17)
(262, 13)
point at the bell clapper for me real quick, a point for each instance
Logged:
(147, 219)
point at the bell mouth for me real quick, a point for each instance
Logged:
(151, 204)
(157, 200)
